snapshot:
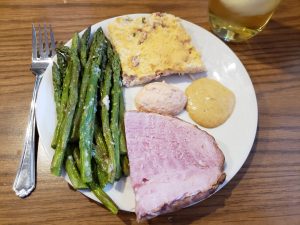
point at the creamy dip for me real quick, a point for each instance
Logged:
(209, 102)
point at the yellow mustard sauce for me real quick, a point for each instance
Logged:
(209, 102)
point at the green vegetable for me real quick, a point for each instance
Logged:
(104, 93)
(123, 147)
(125, 165)
(87, 126)
(71, 94)
(97, 42)
(79, 108)
(91, 165)
(76, 157)
(96, 189)
(101, 157)
(87, 121)
(103, 197)
(72, 171)
(102, 170)
(63, 56)
(99, 138)
(84, 46)
(115, 110)
(57, 85)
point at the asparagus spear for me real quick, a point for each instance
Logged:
(105, 59)
(123, 147)
(76, 157)
(87, 121)
(79, 108)
(87, 125)
(67, 118)
(103, 197)
(97, 155)
(115, 110)
(99, 138)
(125, 165)
(63, 54)
(72, 170)
(96, 189)
(57, 85)
(94, 50)
(84, 46)
(101, 159)
(105, 90)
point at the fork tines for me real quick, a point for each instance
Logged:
(43, 49)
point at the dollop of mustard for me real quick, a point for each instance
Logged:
(210, 103)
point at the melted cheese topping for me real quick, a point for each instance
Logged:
(152, 45)
(209, 103)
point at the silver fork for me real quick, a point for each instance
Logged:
(25, 181)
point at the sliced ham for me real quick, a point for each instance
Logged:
(172, 163)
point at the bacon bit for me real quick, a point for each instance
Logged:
(159, 73)
(157, 24)
(135, 61)
(187, 41)
(159, 14)
(143, 37)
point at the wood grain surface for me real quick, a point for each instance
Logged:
(265, 191)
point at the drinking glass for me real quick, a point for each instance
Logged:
(239, 20)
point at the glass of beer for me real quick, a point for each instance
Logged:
(239, 20)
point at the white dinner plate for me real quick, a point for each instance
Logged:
(235, 137)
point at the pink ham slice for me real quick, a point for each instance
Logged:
(172, 163)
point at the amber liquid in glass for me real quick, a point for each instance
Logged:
(239, 20)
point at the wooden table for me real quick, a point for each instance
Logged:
(265, 191)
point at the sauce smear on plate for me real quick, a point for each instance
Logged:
(209, 102)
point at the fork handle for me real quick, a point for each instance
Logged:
(25, 179)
